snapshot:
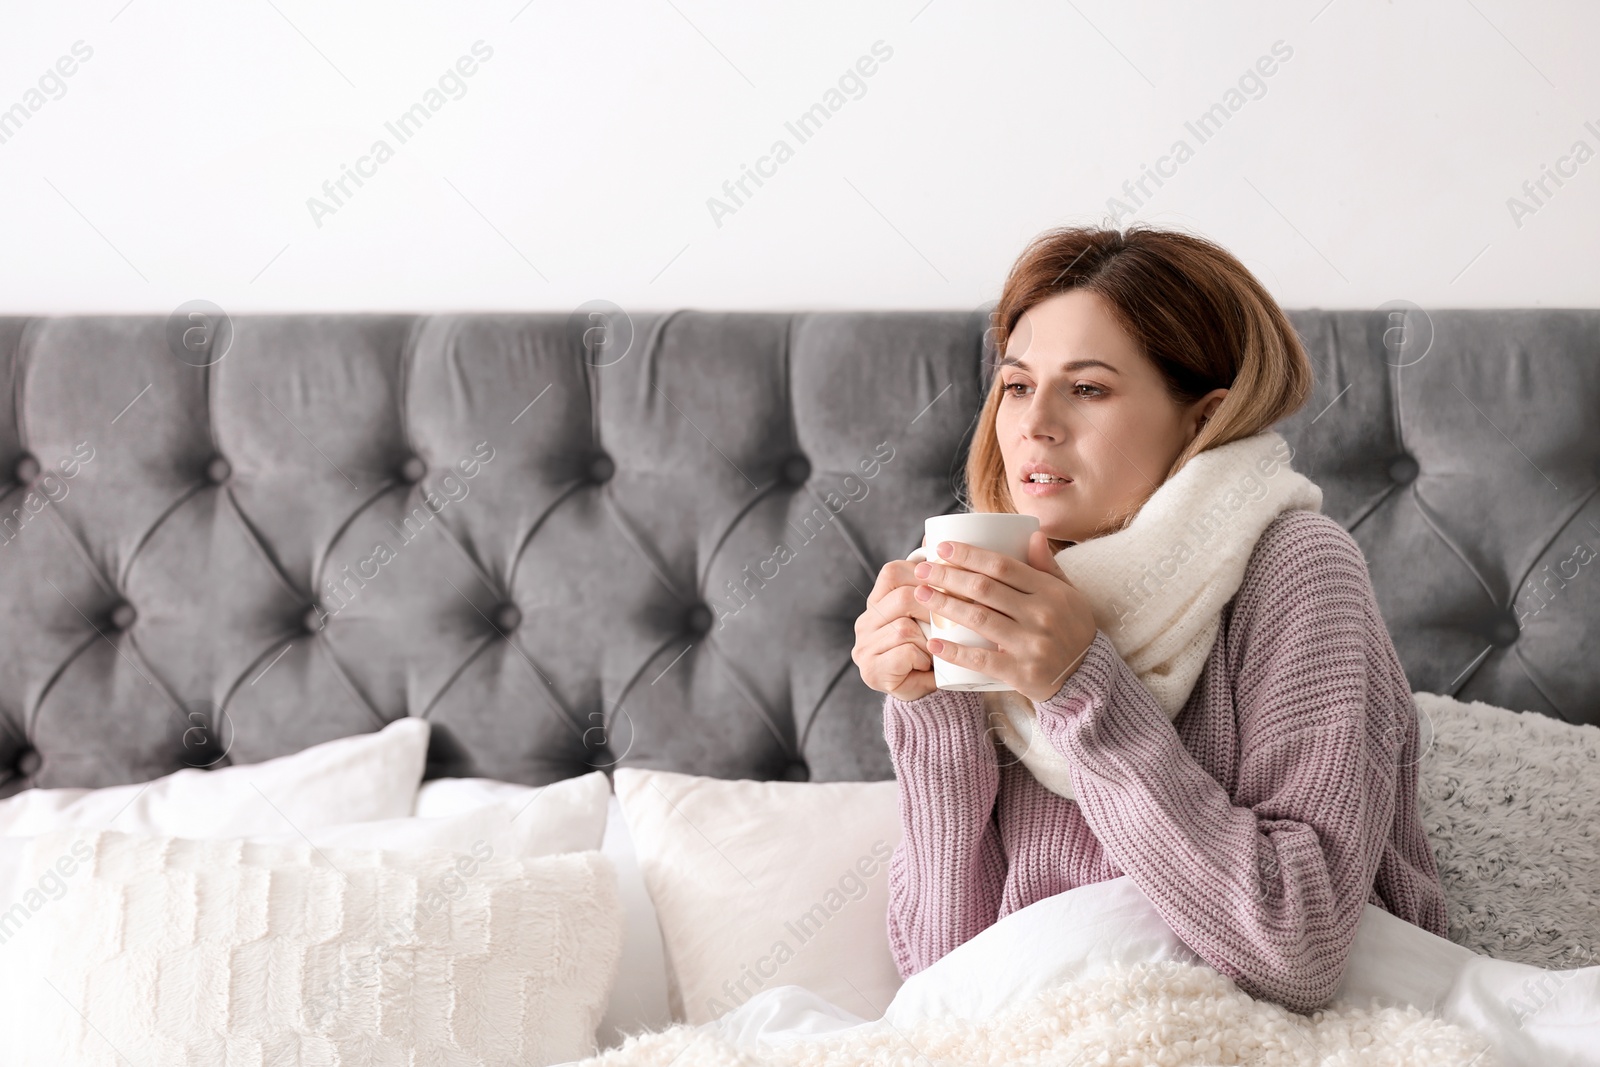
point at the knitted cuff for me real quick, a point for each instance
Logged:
(1089, 682)
(939, 719)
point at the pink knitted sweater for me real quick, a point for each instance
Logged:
(1259, 823)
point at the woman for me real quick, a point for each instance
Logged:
(1260, 812)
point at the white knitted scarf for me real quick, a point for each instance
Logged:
(1158, 587)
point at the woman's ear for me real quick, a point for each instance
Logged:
(1202, 410)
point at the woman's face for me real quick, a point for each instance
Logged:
(1080, 402)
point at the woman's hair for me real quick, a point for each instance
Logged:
(1194, 311)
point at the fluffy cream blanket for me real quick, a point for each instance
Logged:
(1172, 1014)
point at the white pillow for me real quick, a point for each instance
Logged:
(452, 796)
(185, 951)
(764, 884)
(366, 776)
(565, 816)
(639, 997)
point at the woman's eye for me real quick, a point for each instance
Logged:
(1094, 390)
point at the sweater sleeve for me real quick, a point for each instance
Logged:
(1268, 884)
(947, 873)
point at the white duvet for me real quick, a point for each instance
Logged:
(1095, 975)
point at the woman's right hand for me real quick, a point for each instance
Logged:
(891, 651)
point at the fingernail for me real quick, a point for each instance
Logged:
(923, 592)
(944, 548)
(935, 645)
(924, 569)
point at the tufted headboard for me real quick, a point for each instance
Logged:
(569, 549)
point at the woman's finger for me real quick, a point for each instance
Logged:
(907, 659)
(903, 602)
(898, 602)
(1020, 576)
(997, 626)
(901, 631)
(891, 576)
(974, 587)
(993, 662)
(891, 670)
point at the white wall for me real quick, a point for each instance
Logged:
(1376, 163)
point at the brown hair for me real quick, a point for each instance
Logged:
(1191, 307)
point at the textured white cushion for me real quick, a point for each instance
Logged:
(763, 884)
(570, 816)
(639, 996)
(183, 952)
(367, 776)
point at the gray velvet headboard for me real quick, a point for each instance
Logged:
(651, 553)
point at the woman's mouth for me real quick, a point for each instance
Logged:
(1040, 479)
(1042, 484)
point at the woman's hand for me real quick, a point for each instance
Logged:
(1042, 622)
(891, 651)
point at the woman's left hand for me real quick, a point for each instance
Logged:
(1041, 621)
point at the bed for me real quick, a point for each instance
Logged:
(608, 541)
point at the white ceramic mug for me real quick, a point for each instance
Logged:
(997, 531)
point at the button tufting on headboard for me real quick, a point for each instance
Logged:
(685, 530)
(122, 617)
(796, 469)
(697, 620)
(507, 617)
(28, 762)
(1403, 469)
(1504, 630)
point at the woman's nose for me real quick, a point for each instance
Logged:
(1044, 417)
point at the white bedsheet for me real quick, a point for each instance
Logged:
(1532, 1016)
